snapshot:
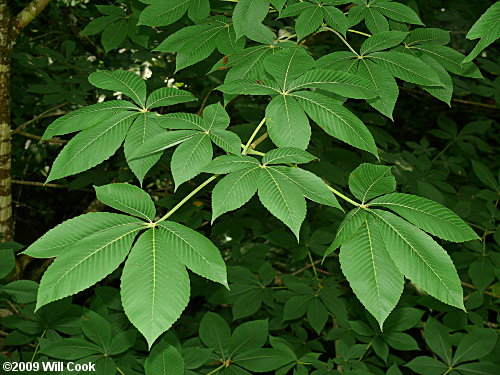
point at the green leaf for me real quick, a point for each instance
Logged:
(406, 67)
(92, 146)
(428, 35)
(347, 229)
(68, 233)
(296, 307)
(190, 157)
(336, 120)
(311, 186)
(340, 60)
(381, 41)
(168, 96)
(284, 155)
(214, 332)
(375, 21)
(287, 124)
(163, 13)
(164, 359)
(195, 251)
(227, 43)
(230, 163)
(344, 84)
(114, 34)
(179, 38)
(308, 22)
(263, 359)
(199, 10)
(438, 340)
(121, 80)
(336, 19)
(282, 198)
(97, 329)
(161, 142)
(144, 129)
(234, 190)
(427, 366)
(86, 117)
(400, 341)
(428, 215)
(487, 27)
(248, 14)
(97, 25)
(215, 117)
(127, 198)
(450, 59)
(397, 11)
(421, 259)
(384, 84)
(250, 87)
(151, 276)
(247, 336)
(317, 315)
(402, 319)
(372, 274)
(226, 140)
(85, 263)
(478, 368)
(286, 65)
(445, 92)
(475, 345)
(7, 262)
(69, 349)
(484, 174)
(369, 181)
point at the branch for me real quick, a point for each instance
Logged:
(41, 184)
(28, 14)
(38, 138)
(41, 115)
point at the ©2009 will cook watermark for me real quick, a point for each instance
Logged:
(48, 366)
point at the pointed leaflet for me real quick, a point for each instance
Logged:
(406, 67)
(85, 263)
(227, 43)
(369, 181)
(114, 34)
(214, 332)
(487, 27)
(444, 92)
(163, 13)
(168, 96)
(282, 198)
(127, 198)
(336, 120)
(375, 21)
(344, 84)
(382, 41)
(199, 10)
(190, 157)
(194, 250)
(347, 229)
(428, 35)
(161, 142)
(288, 64)
(215, 117)
(287, 124)
(226, 140)
(336, 19)
(230, 163)
(308, 21)
(384, 84)
(164, 359)
(428, 215)
(154, 286)
(180, 121)
(373, 277)
(311, 186)
(285, 155)
(86, 117)
(144, 128)
(340, 60)
(92, 146)
(121, 80)
(397, 11)
(71, 231)
(250, 87)
(247, 14)
(234, 190)
(178, 39)
(420, 258)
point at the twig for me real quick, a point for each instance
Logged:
(41, 184)
(38, 138)
(259, 140)
(41, 115)
(468, 102)
(473, 287)
(204, 102)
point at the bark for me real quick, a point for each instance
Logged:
(10, 27)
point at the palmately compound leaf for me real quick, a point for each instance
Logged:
(154, 286)
(372, 274)
(164, 359)
(287, 124)
(121, 80)
(92, 146)
(190, 157)
(127, 198)
(85, 263)
(369, 181)
(428, 215)
(420, 258)
(71, 231)
(168, 96)
(336, 120)
(284, 155)
(234, 190)
(282, 198)
(86, 117)
(311, 186)
(194, 250)
(144, 128)
(347, 229)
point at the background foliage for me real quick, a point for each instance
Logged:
(288, 310)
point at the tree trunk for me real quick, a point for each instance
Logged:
(6, 43)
